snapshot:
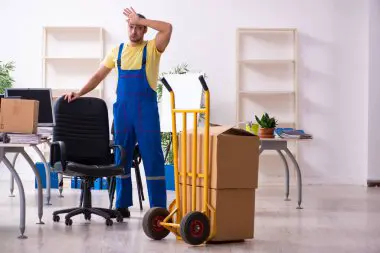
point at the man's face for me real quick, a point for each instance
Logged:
(136, 32)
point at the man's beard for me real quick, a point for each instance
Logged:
(135, 40)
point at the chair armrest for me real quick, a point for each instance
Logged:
(58, 153)
(123, 157)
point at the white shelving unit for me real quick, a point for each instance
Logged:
(266, 76)
(70, 56)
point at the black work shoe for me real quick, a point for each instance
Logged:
(123, 211)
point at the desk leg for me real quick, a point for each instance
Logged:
(60, 178)
(299, 179)
(39, 185)
(47, 171)
(12, 180)
(22, 196)
(60, 184)
(287, 179)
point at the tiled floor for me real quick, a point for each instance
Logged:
(334, 219)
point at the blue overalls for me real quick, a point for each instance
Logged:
(136, 118)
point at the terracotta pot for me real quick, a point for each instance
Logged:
(266, 132)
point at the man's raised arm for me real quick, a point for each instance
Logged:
(164, 29)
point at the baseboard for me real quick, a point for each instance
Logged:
(373, 183)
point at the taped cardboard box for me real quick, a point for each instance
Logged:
(19, 116)
(233, 158)
(235, 212)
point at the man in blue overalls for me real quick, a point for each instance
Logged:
(136, 116)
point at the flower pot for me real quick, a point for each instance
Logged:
(266, 132)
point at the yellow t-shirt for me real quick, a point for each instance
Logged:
(131, 58)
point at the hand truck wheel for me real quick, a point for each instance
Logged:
(195, 228)
(151, 223)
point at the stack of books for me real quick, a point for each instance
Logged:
(23, 138)
(290, 133)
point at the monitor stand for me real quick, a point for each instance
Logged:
(45, 131)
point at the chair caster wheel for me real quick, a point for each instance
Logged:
(87, 217)
(56, 218)
(119, 218)
(69, 222)
(109, 222)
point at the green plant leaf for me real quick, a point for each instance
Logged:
(266, 121)
(6, 80)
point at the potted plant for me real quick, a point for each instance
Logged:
(6, 81)
(267, 125)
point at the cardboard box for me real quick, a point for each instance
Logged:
(233, 158)
(19, 116)
(235, 212)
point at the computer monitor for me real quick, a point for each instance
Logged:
(44, 96)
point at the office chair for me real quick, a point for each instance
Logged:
(81, 147)
(136, 165)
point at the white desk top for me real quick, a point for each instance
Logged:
(20, 145)
(14, 145)
(283, 139)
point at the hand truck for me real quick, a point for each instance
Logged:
(194, 227)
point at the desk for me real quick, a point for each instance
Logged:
(47, 171)
(279, 145)
(20, 149)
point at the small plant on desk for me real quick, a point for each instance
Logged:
(267, 126)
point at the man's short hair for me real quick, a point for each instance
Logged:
(141, 16)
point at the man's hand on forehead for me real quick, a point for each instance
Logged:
(133, 18)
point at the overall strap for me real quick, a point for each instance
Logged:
(144, 56)
(119, 56)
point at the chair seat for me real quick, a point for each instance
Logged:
(82, 170)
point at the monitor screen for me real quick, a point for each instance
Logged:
(44, 96)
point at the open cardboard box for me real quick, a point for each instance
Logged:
(233, 158)
(18, 115)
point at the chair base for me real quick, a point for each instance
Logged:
(71, 212)
(86, 209)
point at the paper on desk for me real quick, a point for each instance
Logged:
(24, 138)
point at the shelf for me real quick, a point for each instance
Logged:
(70, 55)
(269, 92)
(72, 58)
(267, 81)
(266, 61)
(72, 28)
(266, 30)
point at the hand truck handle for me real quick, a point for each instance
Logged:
(166, 84)
(203, 82)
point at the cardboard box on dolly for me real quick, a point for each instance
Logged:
(18, 115)
(233, 177)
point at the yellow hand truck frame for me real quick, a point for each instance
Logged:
(194, 227)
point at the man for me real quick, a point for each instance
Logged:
(135, 111)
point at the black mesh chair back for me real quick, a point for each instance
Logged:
(83, 126)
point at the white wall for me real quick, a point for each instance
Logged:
(374, 92)
(333, 53)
